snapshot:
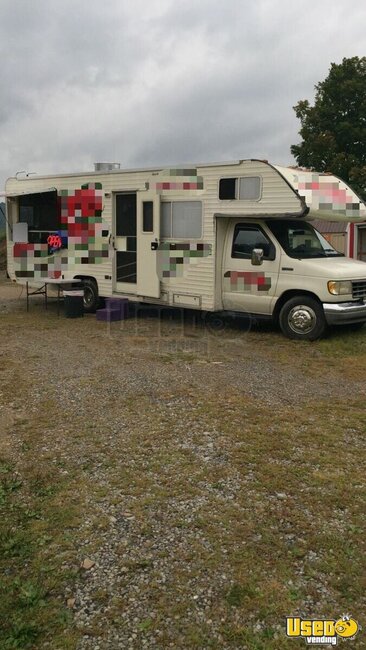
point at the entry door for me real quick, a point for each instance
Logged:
(125, 243)
(148, 233)
(247, 287)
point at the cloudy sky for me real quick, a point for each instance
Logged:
(155, 82)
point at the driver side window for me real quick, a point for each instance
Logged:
(247, 237)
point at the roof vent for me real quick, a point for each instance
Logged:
(106, 166)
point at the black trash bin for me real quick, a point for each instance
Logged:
(74, 303)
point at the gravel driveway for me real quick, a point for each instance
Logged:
(137, 415)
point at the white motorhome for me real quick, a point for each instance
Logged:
(220, 237)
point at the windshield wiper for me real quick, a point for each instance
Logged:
(307, 255)
(331, 252)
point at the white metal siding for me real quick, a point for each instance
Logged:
(110, 183)
(199, 275)
(277, 196)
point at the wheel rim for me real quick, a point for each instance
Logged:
(88, 297)
(302, 319)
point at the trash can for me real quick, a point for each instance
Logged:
(74, 303)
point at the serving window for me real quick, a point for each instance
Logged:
(41, 212)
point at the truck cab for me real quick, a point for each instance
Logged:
(286, 270)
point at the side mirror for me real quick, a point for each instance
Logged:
(257, 256)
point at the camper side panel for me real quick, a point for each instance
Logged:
(86, 206)
(259, 190)
(186, 264)
(189, 268)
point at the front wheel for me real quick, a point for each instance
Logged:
(302, 318)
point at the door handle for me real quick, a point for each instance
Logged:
(154, 245)
(111, 242)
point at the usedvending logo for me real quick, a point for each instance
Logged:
(321, 631)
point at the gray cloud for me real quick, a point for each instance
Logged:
(155, 82)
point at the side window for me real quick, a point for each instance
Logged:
(227, 189)
(147, 216)
(247, 237)
(181, 220)
(250, 188)
(245, 188)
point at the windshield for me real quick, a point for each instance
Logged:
(301, 240)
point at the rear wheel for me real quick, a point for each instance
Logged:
(91, 297)
(302, 317)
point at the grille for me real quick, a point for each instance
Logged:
(359, 289)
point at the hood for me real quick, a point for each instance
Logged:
(333, 268)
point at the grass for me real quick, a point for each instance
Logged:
(267, 521)
(32, 577)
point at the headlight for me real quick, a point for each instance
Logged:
(339, 287)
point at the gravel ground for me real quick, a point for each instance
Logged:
(140, 398)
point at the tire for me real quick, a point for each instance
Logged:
(91, 296)
(302, 318)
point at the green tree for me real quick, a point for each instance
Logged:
(333, 131)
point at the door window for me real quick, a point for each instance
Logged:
(247, 237)
(126, 227)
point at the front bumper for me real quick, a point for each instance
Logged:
(344, 313)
